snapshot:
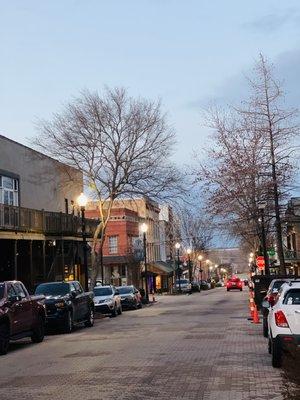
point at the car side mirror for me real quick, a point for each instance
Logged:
(266, 304)
(73, 295)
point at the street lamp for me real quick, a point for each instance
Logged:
(200, 258)
(82, 202)
(261, 206)
(177, 247)
(189, 251)
(144, 229)
(207, 262)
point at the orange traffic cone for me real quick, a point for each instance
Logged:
(256, 316)
(251, 307)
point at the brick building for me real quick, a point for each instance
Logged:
(123, 247)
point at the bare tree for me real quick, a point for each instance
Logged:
(251, 159)
(122, 146)
(195, 229)
(277, 126)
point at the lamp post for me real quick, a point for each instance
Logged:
(144, 229)
(207, 262)
(261, 206)
(177, 247)
(200, 258)
(82, 201)
(189, 251)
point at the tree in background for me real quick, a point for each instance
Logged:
(251, 160)
(122, 146)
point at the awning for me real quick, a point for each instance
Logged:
(161, 268)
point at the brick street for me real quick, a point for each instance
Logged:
(183, 347)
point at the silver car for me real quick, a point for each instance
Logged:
(107, 300)
(183, 285)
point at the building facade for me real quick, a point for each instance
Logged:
(291, 236)
(122, 249)
(123, 246)
(40, 232)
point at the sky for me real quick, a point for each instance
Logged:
(186, 53)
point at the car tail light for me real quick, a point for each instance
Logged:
(271, 299)
(281, 320)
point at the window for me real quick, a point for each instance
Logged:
(292, 297)
(72, 288)
(78, 287)
(19, 290)
(113, 244)
(9, 191)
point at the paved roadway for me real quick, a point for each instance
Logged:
(183, 347)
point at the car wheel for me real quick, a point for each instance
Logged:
(39, 331)
(265, 327)
(227, 290)
(90, 319)
(120, 310)
(114, 312)
(68, 323)
(276, 354)
(4, 338)
(135, 305)
(241, 290)
(140, 305)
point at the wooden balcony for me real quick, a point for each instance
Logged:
(21, 219)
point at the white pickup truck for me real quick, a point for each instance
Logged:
(284, 322)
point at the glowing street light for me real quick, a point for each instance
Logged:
(177, 247)
(189, 251)
(82, 202)
(144, 230)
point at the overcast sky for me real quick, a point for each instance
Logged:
(185, 52)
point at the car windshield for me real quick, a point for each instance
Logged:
(185, 281)
(292, 297)
(102, 291)
(125, 289)
(1, 290)
(53, 289)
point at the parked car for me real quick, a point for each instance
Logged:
(107, 300)
(21, 315)
(130, 297)
(234, 283)
(184, 286)
(196, 287)
(205, 285)
(219, 284)
(284, 322)
(67, 305)
(271, 296)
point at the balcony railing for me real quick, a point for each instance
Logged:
(39, 221)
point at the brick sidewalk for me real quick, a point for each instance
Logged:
(184, 347)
